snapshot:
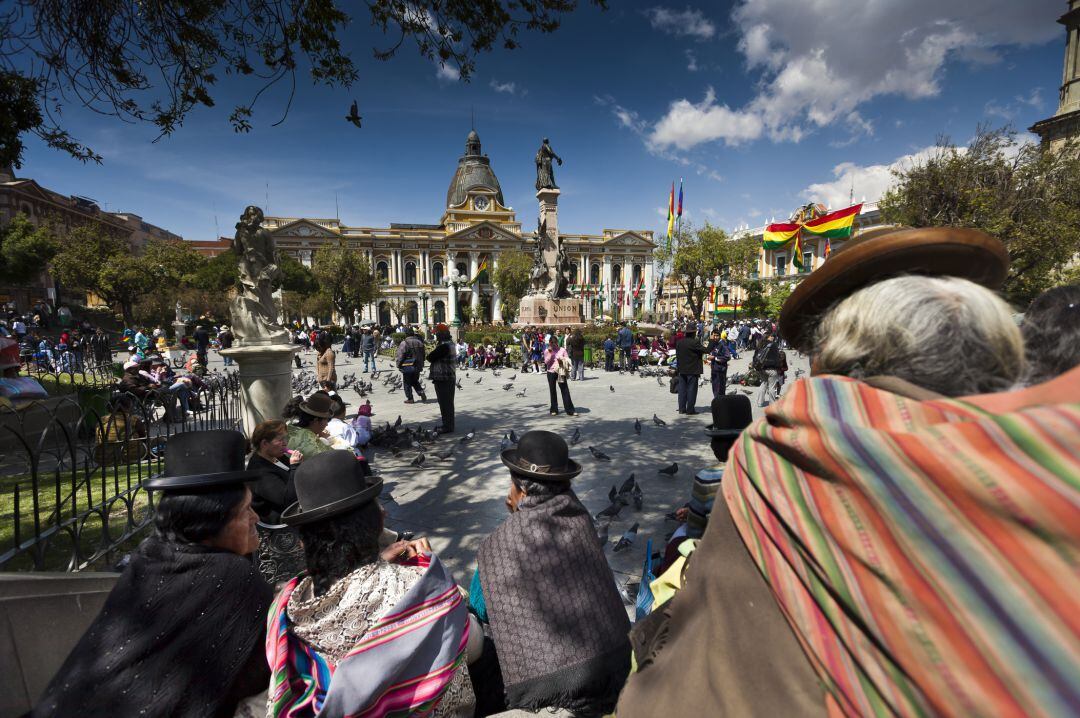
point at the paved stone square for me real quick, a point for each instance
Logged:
(456, 503)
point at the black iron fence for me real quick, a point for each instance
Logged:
(72, 465)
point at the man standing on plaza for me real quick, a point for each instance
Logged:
(225, 338)
(410, 362)
(367, 346)
(719, 356)
(626, 348)
(609, 354)
(202, 343)
(767, 360)
(688, 353)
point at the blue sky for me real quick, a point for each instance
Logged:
(759, 105)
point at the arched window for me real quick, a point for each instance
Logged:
(410, 273)
(437, 273)
(616, 273)
(412, 313)
(573, 273)
(439, 311)
(637, 274)
(382, 269)
(594, 274)
(384, 314)
(463, 269)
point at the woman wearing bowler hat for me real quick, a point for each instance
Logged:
(312, 417)
(366, 630)
(558, 626)
(182, 632)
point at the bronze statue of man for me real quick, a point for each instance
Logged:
(545, 176)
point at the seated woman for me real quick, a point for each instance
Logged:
(312, 416)
(279, 556)
(347, 638)
(882, 546)
(182, 632)
(543, 585)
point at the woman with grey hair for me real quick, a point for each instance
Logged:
(907, 533)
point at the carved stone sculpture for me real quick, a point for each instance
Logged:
(550, 272)
(545, 175)
(254, 315)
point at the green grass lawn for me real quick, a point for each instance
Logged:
(89, 491)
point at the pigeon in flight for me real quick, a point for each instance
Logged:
(599, 455)
(418, 461)
(670, 470)
(637, 427)
(354, 115)
(627, 539)
(658, 421)
(576, 437)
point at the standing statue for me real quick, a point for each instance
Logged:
(179, 311)
(254, 315)
(551, 267)
(545, 176)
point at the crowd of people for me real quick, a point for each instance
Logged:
(897, 535)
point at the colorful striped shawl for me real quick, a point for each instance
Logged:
(926, 554)
(400, 667)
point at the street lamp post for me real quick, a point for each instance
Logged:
(454, 281)
(423, 296)
(709, 284)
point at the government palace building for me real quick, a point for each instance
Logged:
(612, 271)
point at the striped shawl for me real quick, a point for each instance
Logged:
(926, 554)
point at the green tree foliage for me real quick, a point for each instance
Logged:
(699, 255)
(218, 274)
(1024, 194)
(92, 260)
(25, 250)
(345, 278)
(295, 277)
(775, 301)
(512, 280)
(756, 304)
(156, 62)
(171, 262)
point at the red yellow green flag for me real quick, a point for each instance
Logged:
(835, 225)
(671, 214)
(779, 234)
(479, 270)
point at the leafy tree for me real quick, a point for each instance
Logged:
(93, 260)
(775, 301)
(698, 255)
(25, 250)
(755, 305)
(156, 62)
(218, 274)
(171, 262)
(399, 307)
(345, 278)
(512, 280)
(295, 277)
(1023, 194)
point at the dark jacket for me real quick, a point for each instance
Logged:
(273, 492)
(688, 353)
(575, 346)
(367, 342)
(626, 338)
(768, 356)
(442, 359)
(720, 355)
(201, 337)
(411, 348)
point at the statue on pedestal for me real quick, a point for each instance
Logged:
(254, 315)
(550, 272)
(545, 176)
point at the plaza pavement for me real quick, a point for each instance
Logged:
(456, 503)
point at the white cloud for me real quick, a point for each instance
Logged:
(448, 73)
(870, 181)
(691, 61)
(814, 71)
(688, 22)
(509, 88)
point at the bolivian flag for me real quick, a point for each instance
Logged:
(479, 270)
(780, 234)
(835, 225)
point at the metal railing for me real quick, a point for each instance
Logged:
(72, 466)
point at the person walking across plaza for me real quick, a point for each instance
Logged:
(225, 338)
(575, 348)
(719, 356)
(441, 360)
(688, 354)
(410, 362)
(369, 348)
(557, 363)
(768, 361)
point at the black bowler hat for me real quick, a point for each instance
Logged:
(202, 460)
(331, 483)
(731, 413)
(319, 405)
(542, 456)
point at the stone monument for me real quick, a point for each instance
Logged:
(548, 301)
(179, 325)
(263, 350)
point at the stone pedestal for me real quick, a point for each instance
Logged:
(179, 330)
(265, 374)
(541, 311)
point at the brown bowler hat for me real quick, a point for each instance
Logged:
(889, 252)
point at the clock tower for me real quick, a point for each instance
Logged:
(1065, 124)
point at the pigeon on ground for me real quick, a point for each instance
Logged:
(354, 115)
(418, 461)
(513, 377)
(522, 392)
(658, 421)
(602, 532)
(468, 437)
(508, 387)
(624, 593)
(513, 436)
(613, 495)
(444, 455)
(637, 427)
(505, 443)
(637, 496)
(392, 389)
(612, 511)
(611, 387)
(600, 455)
(627, 539)
(398, 422)
(458, 383)
(374, 375)
(478, 380)
(670, 470)
(394, 450)
(576, 437)
(659, 381)
(623, 495)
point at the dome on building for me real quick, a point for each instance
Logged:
(473, 171)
